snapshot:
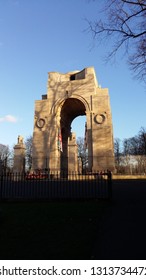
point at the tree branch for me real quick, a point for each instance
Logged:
(134, 3)
(125, 24)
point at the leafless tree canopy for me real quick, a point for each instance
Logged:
(28, 145)
(124, 21)
(134, 147)
(82, 151)
(4, 152)
(5, 155)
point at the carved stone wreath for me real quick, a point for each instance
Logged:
(99, 118)
(40, 123)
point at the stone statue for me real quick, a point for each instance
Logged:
(20, 139)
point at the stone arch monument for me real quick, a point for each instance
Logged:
(68, 96)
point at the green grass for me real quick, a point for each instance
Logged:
(49, 230)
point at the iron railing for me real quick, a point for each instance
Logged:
(52, 186)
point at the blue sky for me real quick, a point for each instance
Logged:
(41, 36)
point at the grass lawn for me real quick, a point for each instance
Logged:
(49, 230)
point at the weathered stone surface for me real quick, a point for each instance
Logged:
(70, 95)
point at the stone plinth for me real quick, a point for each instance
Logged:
(19, 156)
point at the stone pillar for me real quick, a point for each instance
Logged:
(19, 156)
(80, 169)
(89, 141)
(72, 153)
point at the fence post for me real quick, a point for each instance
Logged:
(109, 176)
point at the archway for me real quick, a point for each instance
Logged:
(71, 95)
(71, 109)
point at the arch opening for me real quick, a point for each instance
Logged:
(71, 109)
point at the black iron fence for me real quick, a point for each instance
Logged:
(55, 186)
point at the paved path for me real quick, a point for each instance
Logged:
(122, 230)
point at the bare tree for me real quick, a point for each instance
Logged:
(137, 144)
(142, 141)
(117, 152)
(124, 21)
(5, 153)
(136, 147)
(28, 144)
(142, 150)
(82, 152)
